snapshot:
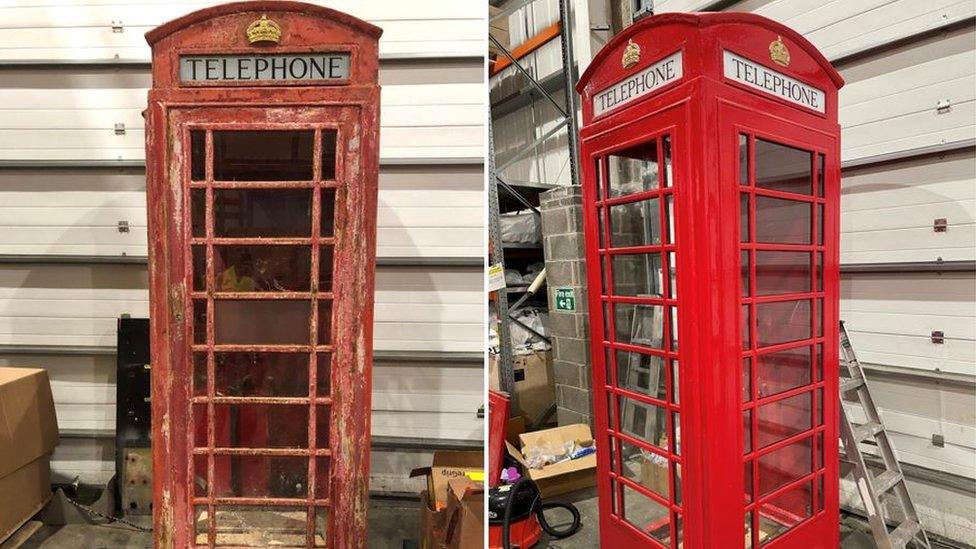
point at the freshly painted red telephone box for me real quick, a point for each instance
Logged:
(710, 151)
(261, 160)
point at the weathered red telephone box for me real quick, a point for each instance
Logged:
(262, 147)
(710, 151)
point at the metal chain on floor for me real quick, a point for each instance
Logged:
(95, 514)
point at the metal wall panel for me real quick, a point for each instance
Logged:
(62, 31)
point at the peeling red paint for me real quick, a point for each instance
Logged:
(350, 107)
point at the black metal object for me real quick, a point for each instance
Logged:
(132, 410)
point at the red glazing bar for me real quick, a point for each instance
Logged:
(211, 389)
(313, 335)
(753, 322)
(273, 452)
(249, 348)
(263, 400)
(643, 249)
(260, 241)
(260, 501)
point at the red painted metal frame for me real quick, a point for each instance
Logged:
(352, 108)
(703, 113)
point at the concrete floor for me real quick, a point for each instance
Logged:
(391, 522)
(854, 533)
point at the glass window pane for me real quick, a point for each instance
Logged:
(278, 155)
(262, 268)
(783, 168)
(601, 228)
(784, 418)
(199, 374)
(241, 213)
(323, 426)
(635, 224)
(645, 514)
(200, 475)
(668, 177)
(641, 325)
(673, 315)
(261, 321)
(259, 526)
(783, 321)
(199, 321)
(642, 374)
(633, 170)
(744, 234)
(321, 526)
(325, 268)
(328, 212)
(198, 212)
(782, 272)
(670, 236)
(746, 379)
(643, 421)
(744, 278)
(199, 412)
(743, 159)
(747, 431)
(785, 465)
(672, 268)
(746, 327)
(199, 268)
(328, 154)
(675, 381)
(261, 374)
(783, 370)
(198, 155)
(261, 425)
(323, 477)
(637, 275)
(780, 221)
(785, 511)
(645, 468)
(261, 476)
(820, 178)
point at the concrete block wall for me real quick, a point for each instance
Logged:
(562, 230)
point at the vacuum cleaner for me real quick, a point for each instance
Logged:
(516, 516)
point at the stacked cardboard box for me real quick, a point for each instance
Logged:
(28, 435)
(452, 508)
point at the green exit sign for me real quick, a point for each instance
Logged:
(565, 299)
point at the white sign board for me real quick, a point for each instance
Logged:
(766, 80)
(639, 84)
(264, 68)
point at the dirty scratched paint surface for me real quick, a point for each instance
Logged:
(261, 285)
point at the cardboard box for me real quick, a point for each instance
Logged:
(535, 389)
(465, 514)
(28, 435)
(564, 477)
(445, 466)
(431, 523)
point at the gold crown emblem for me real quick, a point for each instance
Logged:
(263, 30)
(779, 53)
(631, 55)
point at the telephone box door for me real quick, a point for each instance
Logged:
(775, 171)
(262, 206)
(631, 216)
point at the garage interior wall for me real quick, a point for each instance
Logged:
(907, 114)
(73, 82)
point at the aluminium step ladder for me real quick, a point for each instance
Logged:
(891, 479)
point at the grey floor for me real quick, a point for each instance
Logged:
(391, 522)
(854, 533)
